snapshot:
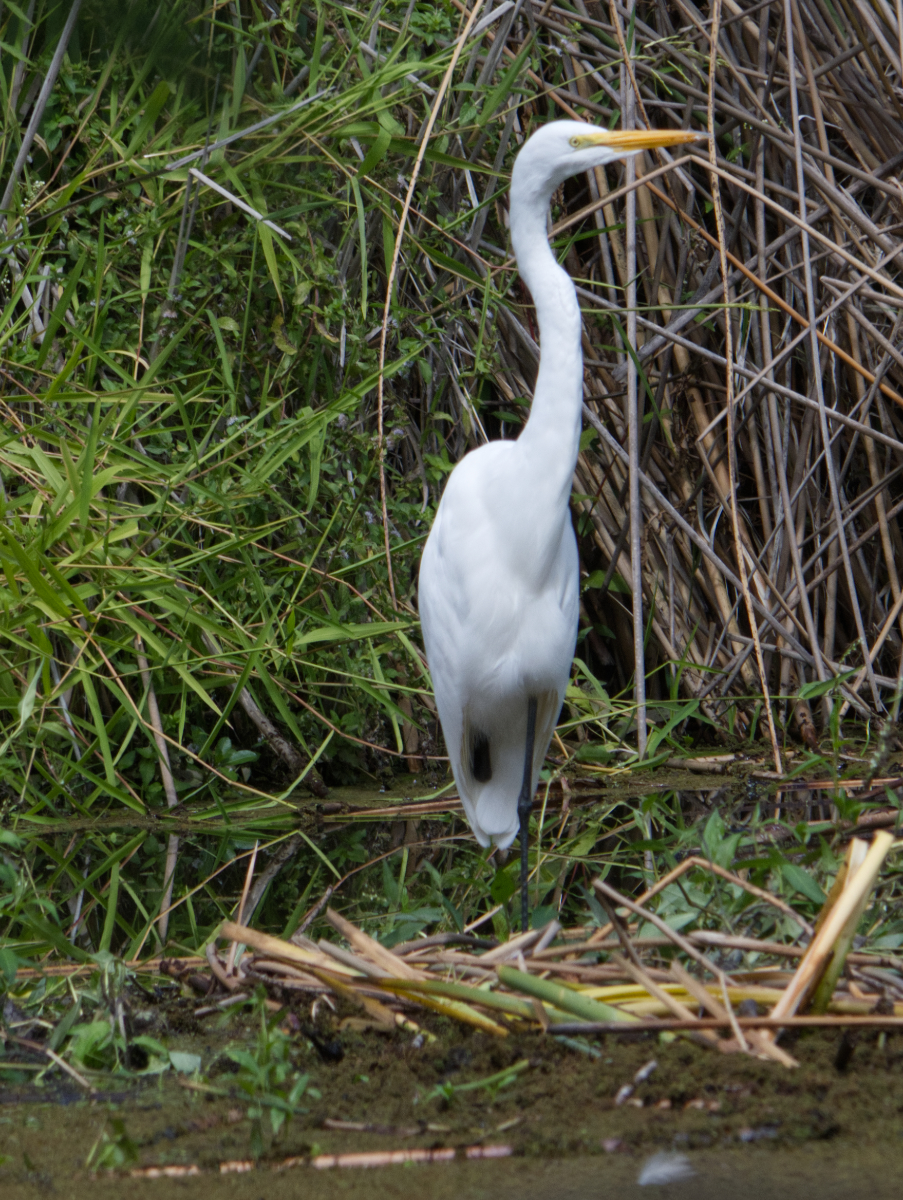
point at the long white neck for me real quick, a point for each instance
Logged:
(551, 437)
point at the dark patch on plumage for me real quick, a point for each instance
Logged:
(480, 762)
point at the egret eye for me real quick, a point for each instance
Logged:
(575, 141)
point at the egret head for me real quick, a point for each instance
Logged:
(564, 148)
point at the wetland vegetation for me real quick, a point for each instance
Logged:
(220, 455)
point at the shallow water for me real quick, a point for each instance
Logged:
(826, 1174)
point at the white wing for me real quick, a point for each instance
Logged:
(498, 604)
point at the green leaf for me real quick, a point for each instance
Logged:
(801, 881)
(594, 754)
(506, 84)
(388, 243)
(86, 467)
(503, 886)
(35, 571)
(348, 633)
(617, 583)
(9, 964)
(59, 309)
(269, 254)
(316, 452)
(451, 264)
(100, 728)
(821, 687)
(152, 110)
(376, 153)
(147, 258)
(26, 704)
(223, 355)
(50, 933)
(185, 1063)
(112, 900)
(362, 240)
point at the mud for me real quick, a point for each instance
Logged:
(832, 1127)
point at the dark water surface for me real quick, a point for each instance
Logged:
(823, 1173)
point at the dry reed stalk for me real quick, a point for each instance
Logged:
(264, 943)
(723, 1012)
(169, 789)
(674, 1006)
(832, 937)
(801, 324)
(600, 998)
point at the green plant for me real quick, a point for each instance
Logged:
(112, 1151)
(491, 1085)
(268, 1077)
(103, 1042)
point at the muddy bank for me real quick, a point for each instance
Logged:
(838, 1117)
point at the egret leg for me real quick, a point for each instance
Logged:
(524, 804)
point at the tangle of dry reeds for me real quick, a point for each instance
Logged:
(798, 360)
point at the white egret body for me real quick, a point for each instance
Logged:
(499, 581)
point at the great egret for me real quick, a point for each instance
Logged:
(499, 579)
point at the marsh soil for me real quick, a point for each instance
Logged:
(833, 1127)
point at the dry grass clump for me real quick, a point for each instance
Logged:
(584, 981)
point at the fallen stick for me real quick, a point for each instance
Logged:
(322, 1162)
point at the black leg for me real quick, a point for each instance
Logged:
(524, 804)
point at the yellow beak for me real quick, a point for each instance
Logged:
(637, 139)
